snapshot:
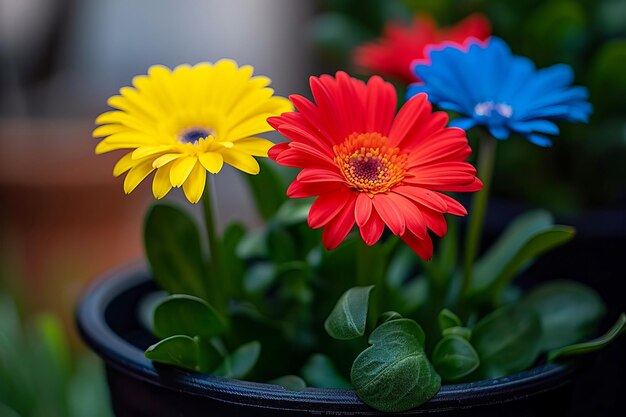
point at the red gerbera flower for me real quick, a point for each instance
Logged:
(393, 54)
(370, 167)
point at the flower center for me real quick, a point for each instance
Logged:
(491, 109)
(368, 165)
(194, 134)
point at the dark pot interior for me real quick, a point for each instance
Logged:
(108, 322)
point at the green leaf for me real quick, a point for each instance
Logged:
(454, 357)
(460, 331)
(507, 341)
(293, 212)
(88, 393)
(401, 265)
(388, 315)
(289, 382)
(569, 312)
(527, 237)
(413, 295)
(281, 244)
(233, 265)
(239, 363)
(181, 314)
(319, 371)
(173, 248)
(607, 79)
(258, 277)
(185, 352)
(448, 319)
(267, 189)
(253, 245)
(614, 332)
(394, 373)
(348, 318)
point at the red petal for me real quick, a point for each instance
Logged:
(277, 150)
(422, 196)
(423, 247)
(409, 119)
(381, 105)
(363, 209)
(319, 175)
(373, 229)
(454, 207)
(436, 222)
(387, 207)
(416, 223)
(338, 228)
(298, 189)
(326, 206)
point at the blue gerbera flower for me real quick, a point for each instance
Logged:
(490, 86)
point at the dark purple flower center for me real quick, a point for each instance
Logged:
(194, 135)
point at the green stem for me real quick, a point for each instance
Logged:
(217, 278)
(371, 262)
(486, 159)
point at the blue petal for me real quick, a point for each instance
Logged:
(499, 131)
(539, 140)
(535, 125)
(415, 89)
(463, 123)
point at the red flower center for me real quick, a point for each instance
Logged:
(368, 165)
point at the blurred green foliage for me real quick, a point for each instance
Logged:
(585, 167)
(39, 377)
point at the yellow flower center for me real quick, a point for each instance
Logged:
(368, 165)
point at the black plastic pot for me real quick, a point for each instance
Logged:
(108, 322)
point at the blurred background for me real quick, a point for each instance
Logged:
(64, 219)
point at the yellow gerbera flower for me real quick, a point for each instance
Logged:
(187, 121)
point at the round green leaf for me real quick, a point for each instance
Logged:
(180, 350)
(394, 373)
(507, 341)
(239, 363)
(348, 318)
(593, 345)
(181, 314)
(569, 312)
(460, 331)
(173, 248)
(319, 371)
(448, 319)
(388, 315)
(289, 382)
(454, 357)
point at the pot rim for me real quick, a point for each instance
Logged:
(130, 360)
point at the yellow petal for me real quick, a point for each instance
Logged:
(125, 163)
(131, 121)
(181, 170)
(211, 161)
(144, 151)
(106, 130)
(126, 140)
(137, 174)
(166, 159)
(161, 184)
(253, 146)
(194, 186)
(249, 127)
(133, 101)
(241, 161)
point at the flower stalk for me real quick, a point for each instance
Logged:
(485, 164)
(216, 278)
